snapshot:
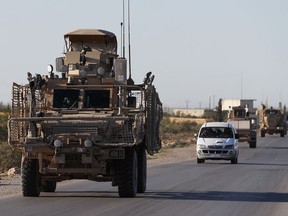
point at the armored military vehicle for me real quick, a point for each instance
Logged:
(272, 121)
(245, 125)
(89, 121)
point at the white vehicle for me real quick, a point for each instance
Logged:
(217, 141)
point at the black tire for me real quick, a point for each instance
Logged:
(31, 180)
(200, 160)
(252, 144)
(49, 186)
(127, 174)
(262, 134)
(282, 134)
(142, 170)
(234, 160)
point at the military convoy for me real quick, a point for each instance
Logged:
(245, 125)
(272, 121)
(89, 121)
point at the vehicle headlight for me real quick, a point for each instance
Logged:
(57, 143)
(50, 68)
(87, 143)
(83, 73)
(229, 147)
(201, 146)
(101, 71)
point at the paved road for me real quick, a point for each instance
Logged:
(257, 185)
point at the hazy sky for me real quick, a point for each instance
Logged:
(199, 51)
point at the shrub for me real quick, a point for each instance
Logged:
(3, 127)
(8, 157)
(178, 127)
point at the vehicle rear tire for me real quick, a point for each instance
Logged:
(127, 174)
(31, 179)
(142, 170)
(49, 186)
(200, 160)
(234, 160)
(282, 134)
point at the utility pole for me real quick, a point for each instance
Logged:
(187, 104)
(241, 86)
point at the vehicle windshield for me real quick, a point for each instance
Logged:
(97, 99)
(272, 111)
(216, 132)
(64, 98)
(69, 98)
(239, 113)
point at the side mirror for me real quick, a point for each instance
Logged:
(236, 136)
(60, 67)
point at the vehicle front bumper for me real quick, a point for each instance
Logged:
(217, 154)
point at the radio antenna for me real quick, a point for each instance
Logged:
(130, 80)
(121, 39)
(123, 23)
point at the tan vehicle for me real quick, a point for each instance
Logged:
(91, 122)
(244, 124)
(272, 121)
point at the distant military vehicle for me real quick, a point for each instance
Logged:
(244, 124)
(91, 122)
(272, 121)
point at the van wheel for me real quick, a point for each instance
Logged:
(200, 160)
(234, 160)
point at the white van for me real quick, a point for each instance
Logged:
(217, 141)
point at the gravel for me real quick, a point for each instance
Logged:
(10, 185)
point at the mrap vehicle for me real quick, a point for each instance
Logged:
(245, 125)
(272, 121)
(89, 121)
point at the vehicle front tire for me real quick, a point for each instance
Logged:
(127, 174)
(200, 160)
(234, 160)
(31, 180)
(262, 134)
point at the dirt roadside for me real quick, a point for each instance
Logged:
(172, 155)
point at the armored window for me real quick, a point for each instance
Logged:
(64, 98)
(97, 99)
(272, 112)
(239, 113)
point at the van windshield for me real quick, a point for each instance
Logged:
(216, 132)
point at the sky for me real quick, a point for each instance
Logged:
(198, 50)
